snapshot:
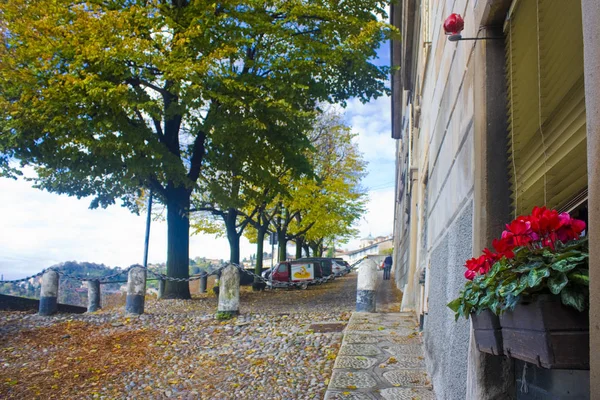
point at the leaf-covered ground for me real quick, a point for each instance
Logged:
(178, 350)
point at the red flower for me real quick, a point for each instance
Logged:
(519, 227)
(481, 265)
(454, 24)
(473, 264)
(570, 229)
(470, 274)
(504, 247)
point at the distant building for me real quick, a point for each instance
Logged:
(367, 241)
(375, 247)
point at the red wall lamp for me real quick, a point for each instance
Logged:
(454, 25)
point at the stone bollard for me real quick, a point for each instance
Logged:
(203, 281)
(93, 296)
(161, 289)
(229, 293)
(136, 290)
(365, 287)
(49, 293)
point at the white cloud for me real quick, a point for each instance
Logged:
(40, 229)
(379, 218)
(372, 123)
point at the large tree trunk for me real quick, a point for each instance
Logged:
(282, 241)
(317, 249)
(232, 236)
(258, 284)
(299, 242)
(260, 246)
(306, 249)
(178, 243)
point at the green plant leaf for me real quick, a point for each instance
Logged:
(536, 275)
(579, 258)
(455, 304)
(474, 299)
(557, 282)
(573, 298)
(506, 288)
(485, 301)
(580, 277)
(563, 265)
(511, 301)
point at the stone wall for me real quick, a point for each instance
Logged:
(447, 341)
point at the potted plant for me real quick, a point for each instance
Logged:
(537, 282)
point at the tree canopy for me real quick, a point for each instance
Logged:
(105, 97)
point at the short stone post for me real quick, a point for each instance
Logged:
(49, 293)
(366, 286)
(203, 281)
(229, 293)
(136, 290)
(161, 288)
(93, 296)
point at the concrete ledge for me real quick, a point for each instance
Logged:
(15, 303)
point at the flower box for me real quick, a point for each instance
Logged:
(487, 332)
(544, 332)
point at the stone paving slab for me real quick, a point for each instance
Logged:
(381, 358)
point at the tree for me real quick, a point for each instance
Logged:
(315, 210)
(105, 97)
(242, 171)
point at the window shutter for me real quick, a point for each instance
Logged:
(547, 142)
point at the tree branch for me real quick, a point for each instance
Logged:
(156, 187)
(141, 82)
(197, 156)
(302, 232)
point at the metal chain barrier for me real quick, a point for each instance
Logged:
(104, 279)
(191, 278)
(27, 278)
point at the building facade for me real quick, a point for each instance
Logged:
(376, 247)
(485, 130)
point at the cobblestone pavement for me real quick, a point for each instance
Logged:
(381, 356)
(281, 347)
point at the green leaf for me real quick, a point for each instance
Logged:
(485, 301)
(567, 254)
(529, 266)
(507, 288)
(580, 277)
(573, 298)
(563, 265)
(535, 276)
(557, 282)
(455, 304)
(511, 301)
(474, 299)
(578, 259)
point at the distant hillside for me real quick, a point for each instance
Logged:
(70, 291)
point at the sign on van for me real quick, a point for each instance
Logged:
(302, 272)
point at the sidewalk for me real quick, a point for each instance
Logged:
(381, 356)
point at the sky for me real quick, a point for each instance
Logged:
(39, 229)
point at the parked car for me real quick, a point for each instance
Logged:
(326, 265)
(267, 273)
(340, 267)
(297, 271)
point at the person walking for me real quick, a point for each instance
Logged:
(387, 268)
